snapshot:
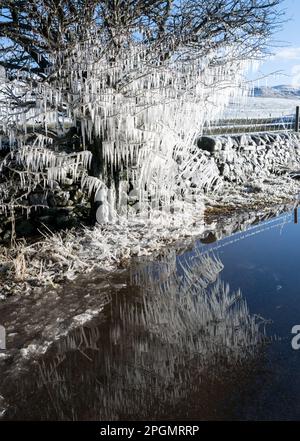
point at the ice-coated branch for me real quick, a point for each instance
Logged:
(134, 81)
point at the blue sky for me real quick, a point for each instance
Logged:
(286, 50)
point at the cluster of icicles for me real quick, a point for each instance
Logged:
(36, 165)
(147, 114)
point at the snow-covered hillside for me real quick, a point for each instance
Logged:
(262, 107)
(265, 102)
(281, 91)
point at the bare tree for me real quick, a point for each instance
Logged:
(130, 81)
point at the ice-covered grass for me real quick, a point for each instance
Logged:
(64, 256)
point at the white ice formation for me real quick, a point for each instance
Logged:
(145, 115)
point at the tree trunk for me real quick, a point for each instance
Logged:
(96, 170)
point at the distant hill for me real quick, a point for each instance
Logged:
(281, 91)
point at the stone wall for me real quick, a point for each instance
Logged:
(64, 208)
(241, 158)
(237, 159)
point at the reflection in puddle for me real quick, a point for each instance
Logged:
(175, 343)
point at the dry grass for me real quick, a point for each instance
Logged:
(20, 266)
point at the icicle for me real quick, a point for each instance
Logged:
(146, 115)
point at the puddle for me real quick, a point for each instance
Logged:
(199, 332)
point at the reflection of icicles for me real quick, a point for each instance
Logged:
(202, 269)
(166, 348)
(198, 303)
(158, 271)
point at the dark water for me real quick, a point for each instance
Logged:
(203, 334)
